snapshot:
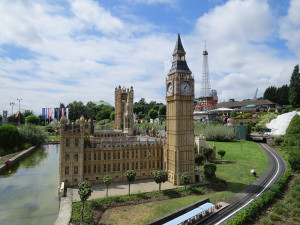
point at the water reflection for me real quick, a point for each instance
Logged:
(28, 190)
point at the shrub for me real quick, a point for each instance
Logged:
(209, 170)
(233, 113)
(207, 152)
(275, 217)
(278, 140)
(247, 115)
(217, 132)
(271, 110)
(50, 129)
(33, 134)
(199, 158)
(264, 119)
(9, 138)
(296, 212)
(32, 119)
(294, 158)
(292, 134)
(246, 215)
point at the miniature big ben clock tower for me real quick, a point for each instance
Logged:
(179, 152)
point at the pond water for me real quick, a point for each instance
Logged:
(28, 192)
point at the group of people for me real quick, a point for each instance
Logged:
(227, 121)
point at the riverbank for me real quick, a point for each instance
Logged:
(16, 158)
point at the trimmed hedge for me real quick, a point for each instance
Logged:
(249, 214)
(292, 134)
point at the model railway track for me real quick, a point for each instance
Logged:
(241, 200)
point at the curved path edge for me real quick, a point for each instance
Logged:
(276, 167)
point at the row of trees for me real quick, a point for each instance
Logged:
(85, 188)
(91, 110)
(142, 109)
(286, 94)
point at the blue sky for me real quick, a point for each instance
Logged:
(59, 51)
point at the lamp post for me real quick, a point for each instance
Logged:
(19, 99)
(12, 107)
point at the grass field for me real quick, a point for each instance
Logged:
(242, 158)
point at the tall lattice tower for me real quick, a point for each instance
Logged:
(205, 85)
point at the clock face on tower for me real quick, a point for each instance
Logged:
(185, 87)
(170, 88)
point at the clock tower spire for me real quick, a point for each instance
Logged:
(179, 152)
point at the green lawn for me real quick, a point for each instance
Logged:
(242, 156)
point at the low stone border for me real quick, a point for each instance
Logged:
(65, 209)
(16, 158)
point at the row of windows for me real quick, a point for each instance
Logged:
(115, 167)
(76, 144)
(113, 155)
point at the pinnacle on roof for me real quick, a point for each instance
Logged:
(178, 47)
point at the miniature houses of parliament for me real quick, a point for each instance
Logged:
(88, 154)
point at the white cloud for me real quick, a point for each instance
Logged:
(240, 60)
(290, 27)
(237, 20)
(93, 15)
(68, 63)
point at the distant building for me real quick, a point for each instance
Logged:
(250, 105)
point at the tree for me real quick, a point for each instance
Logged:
(107, 181)
(91, 110)
(76, 110)
(159, 177)
(294, 91)
(283, 95)
(85, 190)
(207, 152)
(104, 112)
(112, 115)
(162, 110)
(32, 119)
(233, 114)
(199, 159)
(209, 170)
(221, 153)
(186, 179)
(130, 176)
(27, 113)
(153, 114)
(270, 93)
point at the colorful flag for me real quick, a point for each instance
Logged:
(16, 116)
(63, 112)
(43, 113)
(67, 113)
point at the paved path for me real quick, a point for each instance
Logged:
(121, 188)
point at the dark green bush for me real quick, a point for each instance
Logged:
(278, 140)
(9, 138)
(209, 171)
(292, 134)
(32, 119)
(294, 158)
(50, 129)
